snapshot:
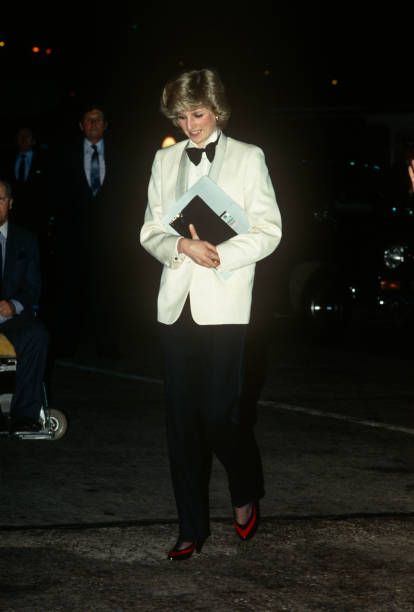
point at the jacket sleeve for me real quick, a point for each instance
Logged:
(262, 212)
(154, 237)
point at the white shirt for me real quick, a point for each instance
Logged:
(196, 172)
(87, 156)
(28, 155)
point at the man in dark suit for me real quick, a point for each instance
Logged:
(20, 285)
(90, 199)
(26, 170)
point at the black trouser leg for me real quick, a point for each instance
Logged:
(30, 340)
(190, 457)
(231, 439)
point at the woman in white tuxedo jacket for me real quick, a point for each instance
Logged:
(204, 304)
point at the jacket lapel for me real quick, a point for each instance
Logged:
(182, 178)
(218, 158)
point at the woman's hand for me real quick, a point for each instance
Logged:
(200, 251)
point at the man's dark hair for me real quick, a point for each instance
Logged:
(90, 106)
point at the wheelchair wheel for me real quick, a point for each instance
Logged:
(58, 423)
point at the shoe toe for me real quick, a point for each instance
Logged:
(247, 531)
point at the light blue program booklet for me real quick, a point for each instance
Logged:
(220, 203)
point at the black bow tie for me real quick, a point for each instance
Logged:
(194, 153)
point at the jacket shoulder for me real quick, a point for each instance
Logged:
(172, 150)
(21, 234)
(242, 147)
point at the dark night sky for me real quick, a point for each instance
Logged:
(364, 47)
(124, 57)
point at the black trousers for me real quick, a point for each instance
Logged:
(30, 340)
(203, 387)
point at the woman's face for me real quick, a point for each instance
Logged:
(197, 124)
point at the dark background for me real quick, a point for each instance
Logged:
(299, 77)
(269, 57)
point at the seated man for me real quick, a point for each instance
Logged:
(20, 285)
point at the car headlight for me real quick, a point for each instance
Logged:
(394, 256)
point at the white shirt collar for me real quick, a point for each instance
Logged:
(213, 136)
(87, 144)
(4, 229)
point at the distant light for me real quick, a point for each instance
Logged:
(267, 72)
(48, 51)
(36, 49)
(134, 26)
(2, 43)
(394, 209)
(390, 285)
(352, 163)
(334, 82)
(168, 141)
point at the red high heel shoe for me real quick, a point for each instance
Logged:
(180, 554)
(247, 531)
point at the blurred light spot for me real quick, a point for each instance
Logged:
(48, 51)
(168, 141)
(35, 49)
(390, 285)
(2, 43)
(267, 72)
(334, 82)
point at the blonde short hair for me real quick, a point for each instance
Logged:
(193, 89)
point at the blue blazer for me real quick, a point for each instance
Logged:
(21, 277)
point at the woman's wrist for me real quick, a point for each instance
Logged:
(180, 245)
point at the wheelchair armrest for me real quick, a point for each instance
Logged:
(6, 347)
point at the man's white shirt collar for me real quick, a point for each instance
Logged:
(87, 144)
(4, 229)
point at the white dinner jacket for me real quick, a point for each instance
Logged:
(240, 170)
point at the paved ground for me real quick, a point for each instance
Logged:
(85, 521)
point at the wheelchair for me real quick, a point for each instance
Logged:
(53, 422)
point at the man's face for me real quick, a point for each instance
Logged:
(5, 204)
(93, 125)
